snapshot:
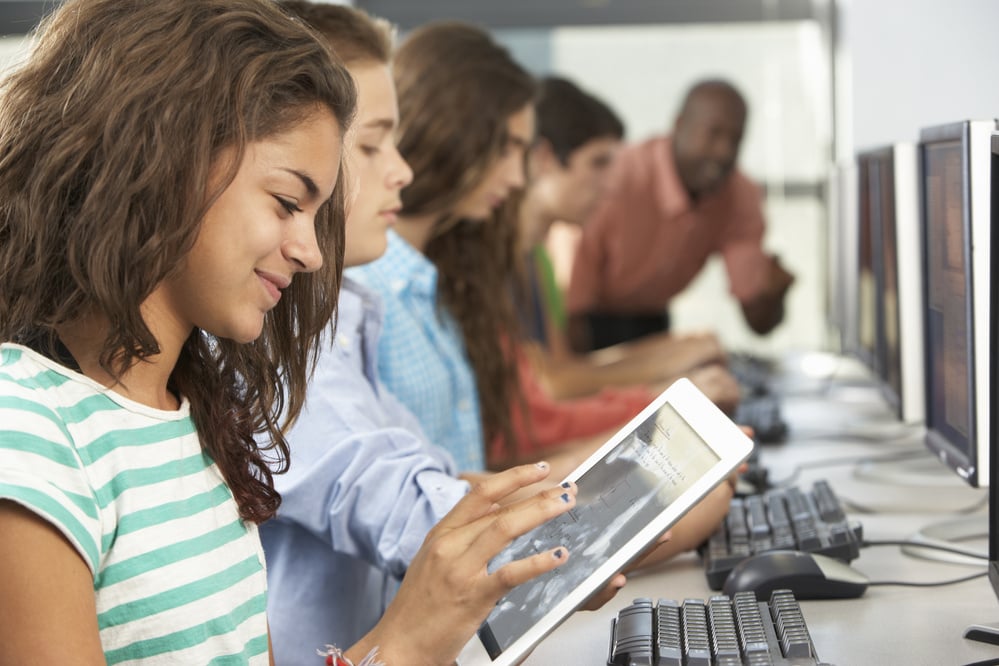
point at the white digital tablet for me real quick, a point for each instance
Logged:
(630, 491)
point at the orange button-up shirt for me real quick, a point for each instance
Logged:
(647, 240)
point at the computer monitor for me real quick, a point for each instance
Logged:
(990, 634)
(891, 221)
(955, 163)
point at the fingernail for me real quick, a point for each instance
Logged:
(558, 554)
(566, 484)
(541, 465)
(565, 497)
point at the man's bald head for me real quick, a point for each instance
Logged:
(707, 135)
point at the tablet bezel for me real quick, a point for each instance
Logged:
(716, 430)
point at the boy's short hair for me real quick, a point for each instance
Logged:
(355, 35)
(568, 117)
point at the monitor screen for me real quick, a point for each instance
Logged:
(954, 164)
(948, 289)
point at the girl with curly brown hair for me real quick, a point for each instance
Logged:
(171, 243)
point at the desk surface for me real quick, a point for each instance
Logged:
(889, 624)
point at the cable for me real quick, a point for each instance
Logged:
(849, 460)
(939, 583)
(931, 546)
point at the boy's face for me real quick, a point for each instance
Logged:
(375, 169)
(575, 189)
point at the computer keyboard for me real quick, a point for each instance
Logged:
(721, 631)
(754, 373)
(763, 414)
(781, 518)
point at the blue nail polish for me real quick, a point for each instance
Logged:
(565, 497)
(541, 465)
(566, 484)
(558, 554)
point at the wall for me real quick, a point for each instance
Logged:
(908, 64)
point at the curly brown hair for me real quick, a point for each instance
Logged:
(457, 89)
(108, 134)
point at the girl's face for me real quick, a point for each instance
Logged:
(506, 174)
(375, 168)
(257, 235)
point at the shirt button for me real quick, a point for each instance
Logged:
(464, 405)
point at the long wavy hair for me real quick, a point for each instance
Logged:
(457, 89)
(108, 134)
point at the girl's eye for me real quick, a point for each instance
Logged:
(289, 206)
(369, 150)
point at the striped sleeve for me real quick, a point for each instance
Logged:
(41, 471)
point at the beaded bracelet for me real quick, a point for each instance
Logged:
(335, 657)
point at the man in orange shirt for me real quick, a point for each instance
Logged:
(673, 202)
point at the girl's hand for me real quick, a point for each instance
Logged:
(447, 591)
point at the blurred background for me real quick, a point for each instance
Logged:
(823, 78)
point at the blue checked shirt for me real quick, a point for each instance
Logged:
(421, 355)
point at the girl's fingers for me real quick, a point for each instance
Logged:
(517, 572)
(489, 535)
(488, 491)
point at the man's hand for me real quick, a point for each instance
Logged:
(764, 312)
(779, 279)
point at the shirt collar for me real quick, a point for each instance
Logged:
(357, 303)
(359, 325)
(410, 270)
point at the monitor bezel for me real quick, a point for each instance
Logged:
(908, 245)
(907, 401)
(993, 440)
(867, 356)
(844, 277)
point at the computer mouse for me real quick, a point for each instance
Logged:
(808, 575)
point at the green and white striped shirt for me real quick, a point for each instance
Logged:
(179, 578)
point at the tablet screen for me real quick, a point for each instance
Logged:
(617, 497)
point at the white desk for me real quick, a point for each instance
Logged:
(888, 625)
